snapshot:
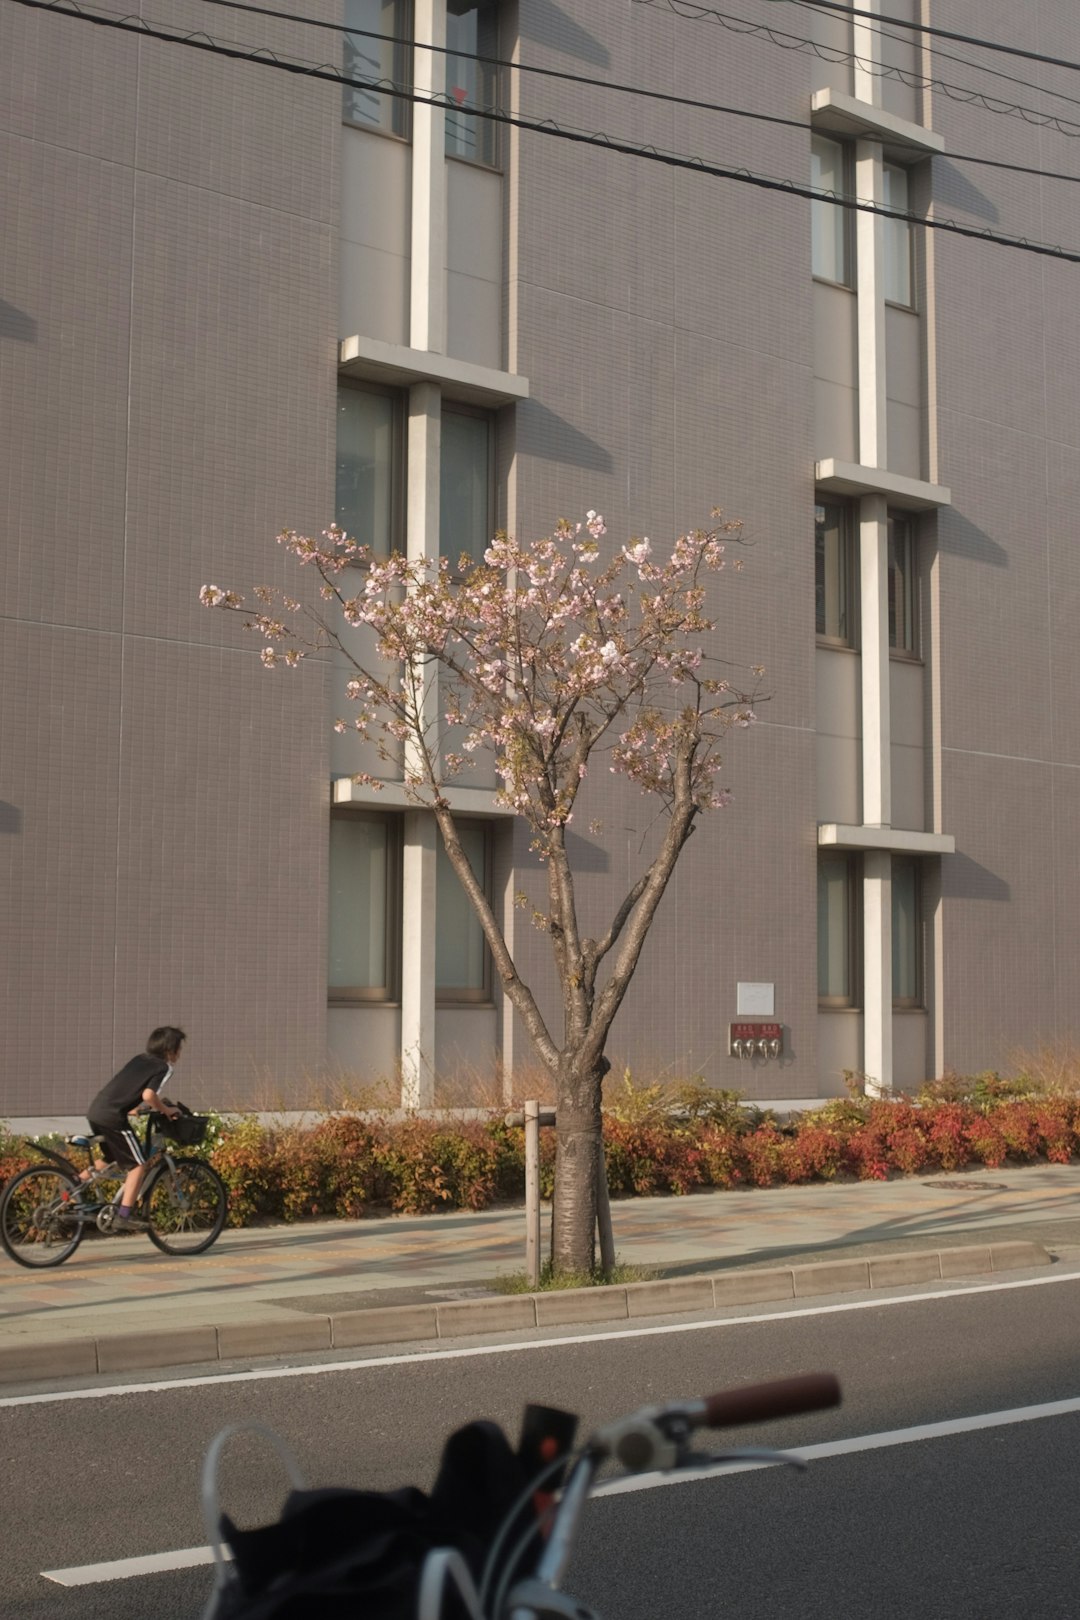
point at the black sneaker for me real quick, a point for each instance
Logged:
(129, 1223)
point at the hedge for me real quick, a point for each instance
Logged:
(348, 1165)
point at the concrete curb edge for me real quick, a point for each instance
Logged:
(403, 1324)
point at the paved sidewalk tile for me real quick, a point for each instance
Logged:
(294, 1273)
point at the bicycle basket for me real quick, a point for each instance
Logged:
(187, 1130)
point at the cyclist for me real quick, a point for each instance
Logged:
(139, 1081)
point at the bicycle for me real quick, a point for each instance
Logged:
(460, 1553)
(46, 1209)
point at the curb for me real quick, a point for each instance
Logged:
(403, 1324)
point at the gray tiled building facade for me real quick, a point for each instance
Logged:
(235, 300)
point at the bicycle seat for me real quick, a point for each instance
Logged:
(83, 1141)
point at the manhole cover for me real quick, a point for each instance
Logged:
(969, 1186)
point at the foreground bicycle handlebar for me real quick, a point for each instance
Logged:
(656, 1438)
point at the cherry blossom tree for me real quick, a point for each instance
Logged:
(553, 660)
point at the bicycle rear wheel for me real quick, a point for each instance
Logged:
(37, 1224)
(185, 1206)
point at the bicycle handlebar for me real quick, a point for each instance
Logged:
(783, 1397)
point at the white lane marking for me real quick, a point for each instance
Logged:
(846, 1448)
(190, 1557)
(418, 1357)
(122, 1569)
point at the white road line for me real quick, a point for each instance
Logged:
(190, 1557)
(418, 1357)
(122, 1569)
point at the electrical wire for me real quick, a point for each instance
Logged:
(933, 32)
(638, 91)
(262, 57)
(690, 11)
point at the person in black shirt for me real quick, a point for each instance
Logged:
(139, 1081)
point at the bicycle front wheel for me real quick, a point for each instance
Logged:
(185, 1207)
(37, 1224)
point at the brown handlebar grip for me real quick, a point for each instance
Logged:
(810, 1392)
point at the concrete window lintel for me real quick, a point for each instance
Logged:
(399, 366)
(853, 479)
(462, 800)
(898, 840)
(904, 141)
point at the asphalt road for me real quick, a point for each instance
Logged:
(978, 1524)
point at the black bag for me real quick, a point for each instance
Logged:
(188, 1130)
(339, 1554)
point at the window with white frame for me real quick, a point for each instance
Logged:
(462, 958)
(466, 489)
(902, 627)
(906, 933)
(832, 255)
(364, 906)
(897, 238)
(369, 497)
(376, 49)
(471, 34)
(839, 933)
(834, 572)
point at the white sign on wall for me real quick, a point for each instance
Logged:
(756, 1000)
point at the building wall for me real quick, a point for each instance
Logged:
(190, 236)
(169, 285)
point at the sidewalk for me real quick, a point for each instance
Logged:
(271, 1290)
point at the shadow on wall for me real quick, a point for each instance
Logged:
(547, 24)
(16, 323)
(957, 191)
(548, 437)
(958, 537)
(10, 817)
(964, 879)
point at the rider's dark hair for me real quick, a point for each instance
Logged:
(165, 1042)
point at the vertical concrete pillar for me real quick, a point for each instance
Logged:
(870, 305)
(877, 971)
(420, 831)
(418, 960)
(874, 638)
(427, 317)
(866, 48)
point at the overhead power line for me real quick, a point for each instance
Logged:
(933, 32)
(690, 11)
(530, 69)
(576, 78)
(259, 56)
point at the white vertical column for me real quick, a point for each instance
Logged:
(866, 47)
(874, 638)
(873, 576)
(427, 309)
(421, 833)
(877, 971)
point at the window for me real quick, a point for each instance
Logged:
(471, 32)
(907, 988)
(365, 904)
(898, 239)
(834, 573)
(369, 56)
(830, 225)
(369, 467)
(839, 911)
(901, 585)
(462, 959)
(466, 462)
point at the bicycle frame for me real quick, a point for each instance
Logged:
(87, 1209)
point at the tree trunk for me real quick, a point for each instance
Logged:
(576, 1164)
